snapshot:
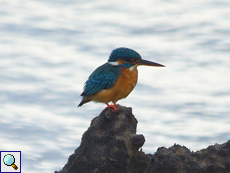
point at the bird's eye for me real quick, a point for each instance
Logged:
(133, 60)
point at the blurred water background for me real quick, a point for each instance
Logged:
(49, 48)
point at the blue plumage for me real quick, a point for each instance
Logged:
(123, 53)
(102, 78)
(105, 76)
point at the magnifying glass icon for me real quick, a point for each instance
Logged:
(9, 160)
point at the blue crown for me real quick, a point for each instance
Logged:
(123, 53)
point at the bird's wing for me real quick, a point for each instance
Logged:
(102, 78)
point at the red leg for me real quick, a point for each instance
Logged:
(112, 106)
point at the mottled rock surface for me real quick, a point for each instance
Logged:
(111, 145)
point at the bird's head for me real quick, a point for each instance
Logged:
(129, 58)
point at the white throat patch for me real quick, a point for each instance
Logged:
(113, 63)
(133, 67)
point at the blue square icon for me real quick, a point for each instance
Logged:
(10, 161)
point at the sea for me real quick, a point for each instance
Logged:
(48, 49)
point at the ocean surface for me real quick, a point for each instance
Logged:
(49, 48)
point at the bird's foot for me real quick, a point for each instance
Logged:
(112, 106)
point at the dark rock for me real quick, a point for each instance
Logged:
(111, 145)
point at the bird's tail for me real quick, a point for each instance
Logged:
(83, 101)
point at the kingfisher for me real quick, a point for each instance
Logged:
(115, 79)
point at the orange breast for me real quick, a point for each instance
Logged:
(121, 88)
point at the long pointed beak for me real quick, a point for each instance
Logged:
(149, 63)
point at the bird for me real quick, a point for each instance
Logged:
(115, 79)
